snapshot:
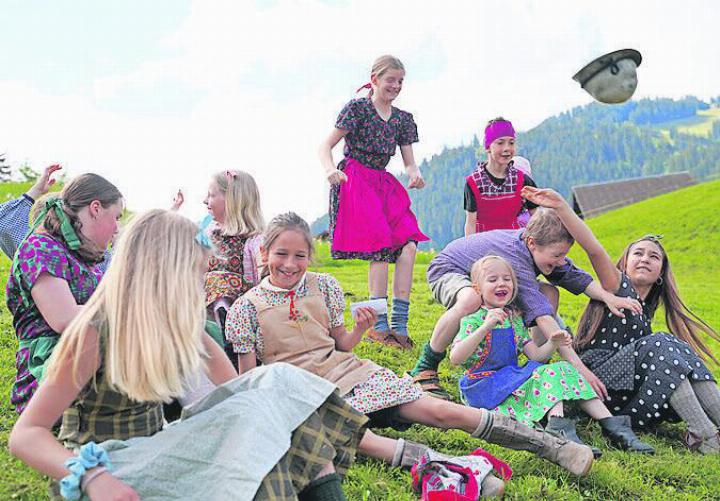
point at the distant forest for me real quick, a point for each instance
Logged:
(588, 144)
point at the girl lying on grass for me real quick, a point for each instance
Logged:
(135, 344)
(296, 316)
(487, 346)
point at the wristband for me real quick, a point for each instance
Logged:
(89, 477)
(89, 456)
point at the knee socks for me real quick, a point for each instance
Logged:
(381, 324)
(429, 360)
(325, 488)
(708, 394)
(399, 318)
(687, 406)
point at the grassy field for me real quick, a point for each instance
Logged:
(688, 221)
(698, 125)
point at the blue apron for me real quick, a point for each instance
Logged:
(493, 379)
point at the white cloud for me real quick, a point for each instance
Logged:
(268, 82)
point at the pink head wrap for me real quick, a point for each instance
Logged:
(497, 130)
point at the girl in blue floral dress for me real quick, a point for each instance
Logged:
(370, 216)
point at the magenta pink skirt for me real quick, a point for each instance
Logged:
(374, 212)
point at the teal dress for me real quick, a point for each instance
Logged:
(495, 380)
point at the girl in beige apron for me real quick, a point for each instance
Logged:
(295, 316)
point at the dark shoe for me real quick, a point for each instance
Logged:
(506, 432)
(383, 337)
(563, 427)
(430, 384)
(709, 445)
(619, 430)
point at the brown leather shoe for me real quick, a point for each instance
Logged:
(404, 341)
(429, 382)
(383, 337)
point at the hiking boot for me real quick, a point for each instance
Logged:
(506, 432)
(563, 427)
(618, 429)
(383, 337)
(710, 445)
(492, 487)
(429, 382)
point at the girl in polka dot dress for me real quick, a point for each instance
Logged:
(650, 376)
(487, 345)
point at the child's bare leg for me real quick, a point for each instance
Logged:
(499, 429)
(378, 278)
(402, 279)
(377, 447)
(595, 409)
(557, 410)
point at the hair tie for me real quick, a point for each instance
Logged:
(66, 228)
(496, 130)
(89, 456)
(366, 86)
(229, 174)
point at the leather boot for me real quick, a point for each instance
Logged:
(506, 432)
(619, 430)
(563, 427)
(710, 445)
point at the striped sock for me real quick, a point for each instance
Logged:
(399, 318)
(381, 324)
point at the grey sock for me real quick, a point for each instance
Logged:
(708, 394)
(484, 426)
(687, 406)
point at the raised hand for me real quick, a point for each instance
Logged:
(178, 200)
(44, 182)
(544, 197)
(495, 317)
(364, 318)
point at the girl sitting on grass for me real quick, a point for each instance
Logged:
(134, 345)
(296, 316)
(487, 346)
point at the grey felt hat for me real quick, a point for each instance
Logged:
(611, 78)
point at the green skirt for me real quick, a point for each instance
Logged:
(548, 385)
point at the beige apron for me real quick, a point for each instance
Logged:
(305, 342)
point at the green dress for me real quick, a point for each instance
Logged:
(547, 384)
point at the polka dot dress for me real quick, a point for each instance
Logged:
(640, 369)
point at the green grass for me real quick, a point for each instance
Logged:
(688, 220)
(697, 125)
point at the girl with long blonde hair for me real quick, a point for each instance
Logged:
(135, 345)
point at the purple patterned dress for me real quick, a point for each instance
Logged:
(38, 254)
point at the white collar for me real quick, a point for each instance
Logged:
(267, 285)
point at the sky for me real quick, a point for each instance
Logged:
(157, 96)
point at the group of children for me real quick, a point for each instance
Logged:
(110, 349)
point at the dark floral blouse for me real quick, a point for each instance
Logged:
(371, 140)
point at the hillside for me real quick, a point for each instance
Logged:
(588, 144)
(688, 222)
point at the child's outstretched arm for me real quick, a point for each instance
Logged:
(346, 341)
(334, 176)
(605, 269)
(462, 350)
(219, 368)
(543, 353)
